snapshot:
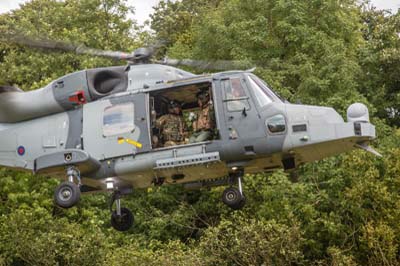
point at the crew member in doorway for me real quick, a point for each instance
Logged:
(172, 126)
(204, 122)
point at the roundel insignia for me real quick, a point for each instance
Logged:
(21, 150)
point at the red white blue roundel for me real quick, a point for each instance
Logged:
(21, 150)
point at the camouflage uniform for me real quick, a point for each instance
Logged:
(172, 128)
(204, 125)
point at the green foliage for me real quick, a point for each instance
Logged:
(343, 211)
(94, 23)
(33, 238)
(380, 60)
(306, 49)
(239, 241)
(172, 20)
(173, 253)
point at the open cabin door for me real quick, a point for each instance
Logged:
(116, 127)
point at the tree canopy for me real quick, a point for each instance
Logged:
(344, 210)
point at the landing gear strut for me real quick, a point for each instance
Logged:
(121, 218)
(68, 194)
(234, 197)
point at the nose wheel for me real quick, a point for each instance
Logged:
(233, 197)
(68, 194)
(121, 218)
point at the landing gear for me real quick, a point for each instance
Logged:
(68, 194)
(121, 218)
(123, 221)
(234, 197)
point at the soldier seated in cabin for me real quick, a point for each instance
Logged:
(204, 121)
(171, 126)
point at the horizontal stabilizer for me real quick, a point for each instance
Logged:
(9, 89)
(368, 148)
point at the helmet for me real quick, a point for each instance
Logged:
(203, 95)
(173, 104)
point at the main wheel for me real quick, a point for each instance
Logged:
(233, 198)
(122, 222)
(67, 195)
(241, 203)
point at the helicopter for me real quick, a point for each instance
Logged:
(94, 129)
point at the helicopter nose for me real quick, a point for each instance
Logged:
(317, 132)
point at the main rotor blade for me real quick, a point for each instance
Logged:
(140, 54)
(62, 46)
(208, 65)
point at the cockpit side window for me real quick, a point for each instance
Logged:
(235, 95)
(276, 124)
(118, 119)
(262, 96)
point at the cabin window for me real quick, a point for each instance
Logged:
(235, 95)
(118, 119)
(276, 124)
(262, 97)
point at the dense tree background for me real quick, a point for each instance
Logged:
(344, 210)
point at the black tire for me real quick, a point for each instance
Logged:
(233, 198)
(241, 203)
(124, 222)
(294, 176)
(67, 195)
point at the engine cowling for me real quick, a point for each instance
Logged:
(63, 94)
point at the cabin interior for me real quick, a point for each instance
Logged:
(186, 96)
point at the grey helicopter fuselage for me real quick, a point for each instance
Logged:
(67, 123)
